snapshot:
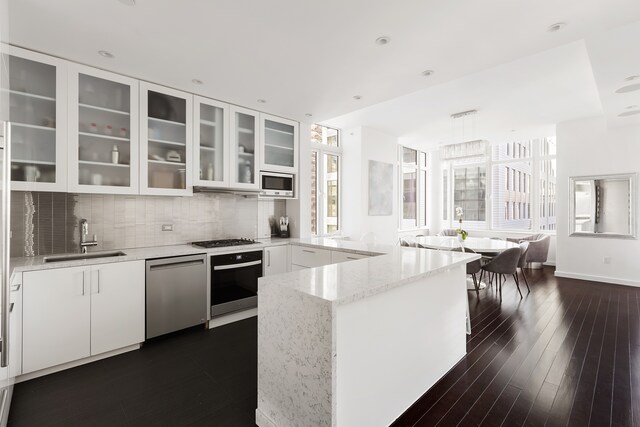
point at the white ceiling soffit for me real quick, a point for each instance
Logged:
(529, 94)
(615, 56)
(305, 56)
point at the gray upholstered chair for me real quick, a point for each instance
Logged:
(448, 232)
(473, 268)
(538, 247)
(403, 242)
(522, 262)
(505, 262)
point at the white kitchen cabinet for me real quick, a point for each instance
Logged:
(15, 327)
(339, 256)
(276, 260)
(279, 143)
(56, 313)
(211, 139)
(304, 256)
(117, 305)
(37, 112)
(103, 132)
(166, 141)
(76, 312)
(245, 149)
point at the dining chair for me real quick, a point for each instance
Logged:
(538, 248)
(522, 262)
(504, 263)
(403, 242)
(473, 268)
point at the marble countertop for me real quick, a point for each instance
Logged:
(350, 281)
(386, 267)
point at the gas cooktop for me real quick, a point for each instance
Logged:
(223, 242)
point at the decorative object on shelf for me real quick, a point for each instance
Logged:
(210, 172)
(108, 130)
(241, 149)
(182, 178)
(173, 156)
(49, 122)
(93, 128)
(123, 132)
(96, 179)
(462, 234)
(159, 106)
(115, 155)
(156, 157)
(31, 173)
(380, 188)
(247, 177)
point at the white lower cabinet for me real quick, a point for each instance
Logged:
(304, 256)
(75, 312)
(275, 260)
(337, 256)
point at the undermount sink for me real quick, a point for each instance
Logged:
(78, 257)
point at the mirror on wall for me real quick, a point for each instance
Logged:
(603, 206)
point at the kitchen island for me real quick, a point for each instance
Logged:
(356, 343)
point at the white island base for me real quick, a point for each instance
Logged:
(358, 361)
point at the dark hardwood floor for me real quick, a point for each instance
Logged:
(567, 354)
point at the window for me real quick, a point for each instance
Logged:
(414, 188)
(520, 188)
(325, 180)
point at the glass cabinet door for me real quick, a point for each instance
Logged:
(279, 144)
(211, 136)
(37, 102)
(103, 127)
(166, 141)
(245, 148)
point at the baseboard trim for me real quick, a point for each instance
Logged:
(602, 279)
(68, 365)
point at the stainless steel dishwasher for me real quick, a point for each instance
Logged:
(176, 294)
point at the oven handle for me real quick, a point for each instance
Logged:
(232, 266)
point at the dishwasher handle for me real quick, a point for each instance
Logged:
(178, 262)
(232, 266)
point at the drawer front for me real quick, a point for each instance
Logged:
(337, 256)
(310, 257)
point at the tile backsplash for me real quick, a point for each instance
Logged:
(48, 223)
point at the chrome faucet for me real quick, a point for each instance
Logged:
(84, 232)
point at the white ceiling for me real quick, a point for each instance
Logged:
(307, 56)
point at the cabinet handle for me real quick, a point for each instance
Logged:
(83, 283)
(352, 257)
(16, 288)
(98, 281)
(268, 258)
(11, 307)
(308, 251)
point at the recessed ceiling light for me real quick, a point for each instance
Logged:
(197, 81)
(632, 78)
(262, 101)
(309, 115)
(629, 113)
(105, 54)
(357, 97)
(427, 73)
(556, 27)
(383, 40)
(128, 2)
(629, 88)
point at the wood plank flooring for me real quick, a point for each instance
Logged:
(566, 354)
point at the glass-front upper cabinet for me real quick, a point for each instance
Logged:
(37, 112)
(279, 144)
(211, 136)
(166, 155)
(245, 148)
(103, 132)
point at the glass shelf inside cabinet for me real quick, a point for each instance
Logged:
(279, 144)
(32, 111)
(211, 143)
(104, 122)
(167, 135)
(246, 149)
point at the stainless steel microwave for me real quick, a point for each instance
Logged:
(273, 184)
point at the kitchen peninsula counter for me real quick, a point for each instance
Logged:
(357, 343)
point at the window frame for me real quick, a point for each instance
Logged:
(321, 151)
(418, 168)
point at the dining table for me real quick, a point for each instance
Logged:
(481, 245)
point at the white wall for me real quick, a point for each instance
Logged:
(359, 146)
(588, 147)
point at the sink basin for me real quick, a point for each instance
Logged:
(78, 257)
